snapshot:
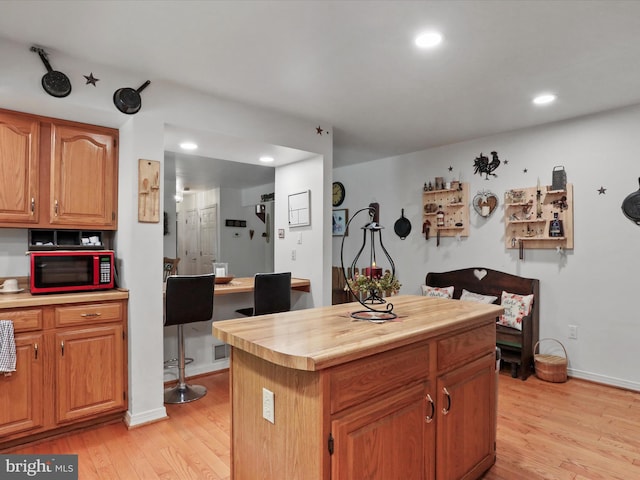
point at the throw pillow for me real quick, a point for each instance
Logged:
(477, 297)
(442, 292)
(515, 308)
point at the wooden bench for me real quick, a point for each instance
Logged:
(516, 346)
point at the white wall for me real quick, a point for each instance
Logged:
(592, 286)
(140, 246)
(308, 242)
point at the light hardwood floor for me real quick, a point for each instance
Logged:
(574, 431)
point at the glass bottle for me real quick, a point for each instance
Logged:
(440, 217)
(555, 226)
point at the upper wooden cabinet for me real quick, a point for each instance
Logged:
(83, 177)
(19, 152)
(55, 173)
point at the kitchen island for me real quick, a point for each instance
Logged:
(319, 395)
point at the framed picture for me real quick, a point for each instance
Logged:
(340, 219)
(299, 214)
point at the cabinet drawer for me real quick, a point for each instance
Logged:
(88, 313)
(23, 320)
(366, 378)
(465, 346)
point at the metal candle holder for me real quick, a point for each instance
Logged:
(371, 314)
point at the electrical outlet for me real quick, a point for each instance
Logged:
(268, 405)
(573, 332)
(293, 254)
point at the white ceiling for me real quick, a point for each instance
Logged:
(352, 64)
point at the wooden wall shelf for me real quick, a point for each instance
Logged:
(528, 218)
(455, 205)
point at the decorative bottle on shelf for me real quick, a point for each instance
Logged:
(440, 217)
(555, 227)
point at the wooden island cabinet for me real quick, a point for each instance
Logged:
(71, 368)
(319, 395)
(56, 173)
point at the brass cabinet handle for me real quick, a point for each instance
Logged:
(35, 348)
(55, 208)
(96, 314)
(62, 347)
(33, 205)
(429, 418)
(446, 409)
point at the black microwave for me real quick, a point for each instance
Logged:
(71, 271)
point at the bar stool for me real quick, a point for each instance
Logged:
(188, 299)
(271, 294)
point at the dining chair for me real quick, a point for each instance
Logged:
(271, 294)
(188, 299)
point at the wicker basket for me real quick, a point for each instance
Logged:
(550, 368)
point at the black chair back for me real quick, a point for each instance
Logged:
(189, 298)
(272, 293)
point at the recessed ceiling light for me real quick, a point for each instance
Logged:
(428, 39)
(188, 146)
(266, 159)
(544, 99)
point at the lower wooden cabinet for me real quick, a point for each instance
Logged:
(66, 374)
(89, 371)
(466, 420)
(22, 392)
(386, 438)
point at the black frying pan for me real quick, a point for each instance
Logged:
(402, 227)
(55, 83)
(631, 206)
(128, 100)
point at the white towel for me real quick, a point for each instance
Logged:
(7, 347)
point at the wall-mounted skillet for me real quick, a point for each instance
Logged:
(55, 83)
(128, 100)
(402, 227)
(631, 206)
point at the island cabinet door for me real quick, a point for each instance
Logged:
(389, 437)
(466, 420)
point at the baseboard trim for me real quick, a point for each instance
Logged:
(603, 379)
(150, 416)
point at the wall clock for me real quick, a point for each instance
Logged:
(338, 194)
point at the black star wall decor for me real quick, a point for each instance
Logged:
(602, 191)
(525, 170)
(319, 130)
(91, 79)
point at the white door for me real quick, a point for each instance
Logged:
(188, 250)
(208, 239)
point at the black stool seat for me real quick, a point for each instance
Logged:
(188, 299)
(271, 294)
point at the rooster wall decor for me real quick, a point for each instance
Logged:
(482, 165)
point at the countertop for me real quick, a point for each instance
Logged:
(319, 338)
(245, 284)
(25, 299)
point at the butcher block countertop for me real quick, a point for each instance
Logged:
(323, 337)
(25, 299)
(245, 284)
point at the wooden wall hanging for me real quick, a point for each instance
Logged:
(148, 191)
